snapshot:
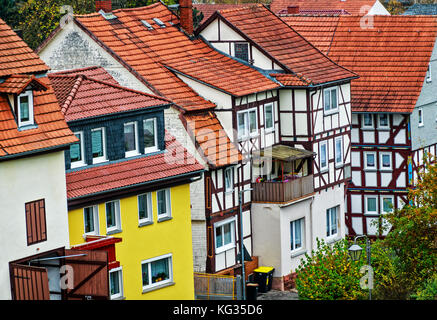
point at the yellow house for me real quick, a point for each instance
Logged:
(128, 186)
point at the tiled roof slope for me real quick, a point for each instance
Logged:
(52, 130)
(391, 58)
(17, 83)
(285, 45)
(129, 173)
(422, 9)
(83, 97)
(15, 55)
(209, 8)
(95, 72)
(354, 7)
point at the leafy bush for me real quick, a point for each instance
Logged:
(429, 290)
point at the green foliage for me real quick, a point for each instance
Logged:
(8, 12)
(429, 290)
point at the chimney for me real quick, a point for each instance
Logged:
(293, 10)
(186, 15)
(105, 5)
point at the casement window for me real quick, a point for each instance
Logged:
(98, 144)
(269, 120)
(145, 213)
(330, 101)
(338, 151)
(25, 109)
(157, 271)
(296, 234)
(91, 220)
(241, 51)
(429, 74)
(164, 203)
(383, 121)
(420, 117)
(387, 203)
(371, 204)
(367, 121)
(150, 136)
(113, 219)
(323, 155)
(77, 156)
(130, 139)
(224, 232)
(247, 123)
(229, 179)
(331, 222)
(385, 161)
(116, 283)
(36, 221)
(370, 160)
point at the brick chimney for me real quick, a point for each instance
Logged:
(105, 5)
(293, 10)
(186, 15)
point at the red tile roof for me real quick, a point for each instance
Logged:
(290, 80)
(391, 58)
(83, 97)
(15, 56)
(95, 72)
(52, 130)
(283, 44)
(354, 7)
(130, 173)
(209, 8)
(17, 83)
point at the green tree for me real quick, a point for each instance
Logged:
(9, 12)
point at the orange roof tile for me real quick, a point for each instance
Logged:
(17, 83)
(391, 58)
(15, 56)
(290, 80)
(354, 7)
(132, 172)
(283, 44)
(209, 8)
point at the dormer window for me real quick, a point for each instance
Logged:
(428, 74)
(25, 109)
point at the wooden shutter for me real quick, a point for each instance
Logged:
(36, 221)
(29, 283)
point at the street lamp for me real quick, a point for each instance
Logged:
(355, 253)
(243, 275)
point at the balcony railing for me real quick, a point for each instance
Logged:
(283, 191)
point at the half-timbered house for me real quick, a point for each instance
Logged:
(299, 176)
(393, 104)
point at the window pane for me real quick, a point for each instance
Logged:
(149, 133)
(323, 155)
(114, 282)
(145, 274)
(24, 108)
(371, 204)
(338, 153)
(328, 222)
(327, 100)
(218, 237)
(110, 214)
(160, 270)
(334, 99)
(292, 234)
(383, 120)
(333, 221)
(370, 160)
(387, 204)
(97, 143)
(386, 161)
(227, 230)
(269, 116)
(241, 125)
(241, 51)
(228, 179)
(75, 150)
(89, 219)
(129, 137)
(162, 203)
(298, 233)
(143, 211)
(252, 121)
(368, 120)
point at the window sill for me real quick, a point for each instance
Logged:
(298, 253)
(339, 165)
(420, 125)
(113, 231)
(386, 170)
(159, 286)
(370, 170)
(151, 150)
(225, 248)
(133, 154)
(145, 223)
(97, 161)
(371, 214)
(383, 129)
(332, 239)
(77, 165)
(325, 170)
(118, 298)
(330, 112)
(367, 128)
(25, 127)
(162, 219)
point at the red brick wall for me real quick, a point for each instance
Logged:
(186, 15)
(106, 5)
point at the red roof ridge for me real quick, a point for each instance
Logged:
(249, 5)
(72, 94)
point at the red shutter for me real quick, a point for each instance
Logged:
(36, 221)
(29, 283)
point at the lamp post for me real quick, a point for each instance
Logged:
(243, 273)
(355, 253)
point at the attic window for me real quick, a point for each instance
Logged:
(108, 15)
(147, 25)
(428, 74)
(25, 109)
(159, 22)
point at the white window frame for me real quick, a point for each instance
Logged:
(31, 120)
(363, 124)
(380, 126)
(325, 168)
(134, 152)
(231, 187)
(117, 227)
(420, 117)
(330, 110)
(366, 209)
(302, 233)
(102, 158)
(366, 167)
(168, 256)
(381, 155)
(272, 128)
(119, 295)
(382, 203)
(149, 219)
(338, 164)
(329, 221)
(155, 147)
(80, 163)
(168, 204)
(95, 218)
(230, 245)
(429, 74)
(247, 134)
